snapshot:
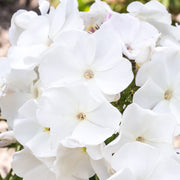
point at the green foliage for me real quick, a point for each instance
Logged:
(173, 6)
(110, 139)
(127, 95)
(121, 5)
(94, 178)
(84, 5)
(10, 176)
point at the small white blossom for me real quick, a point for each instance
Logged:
(140, 161)
(159, 81)
(76, 112)
(136, 36)
(101, 65)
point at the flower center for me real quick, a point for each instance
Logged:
(168, 94)
(81, 116)
(129, 48)
(140, 139)
(92, 28)
(89, 74)
(46, 129)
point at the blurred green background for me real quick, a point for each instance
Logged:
(117, 5)
(120, 5)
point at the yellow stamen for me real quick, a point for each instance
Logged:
(89, 74)
(46, 129)
(140, 139)
(168, 94)
(81, 116)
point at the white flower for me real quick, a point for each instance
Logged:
(96, 156)
(141, 161)
(156, 14)
(32, 132)
(76, 112)
(152, 11)
(171, 36)
(73, 163)
(136, 36)
(99, 13)
(14, 89)
(101, 65)
(147, 127)
(26, 165)
(29, 45)
(159, 81)
(21, 20)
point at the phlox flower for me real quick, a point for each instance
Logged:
(100, 66)
(99, 13)
(33, 132)
(136, 161)
(73, 164)
(156, 14)
(27, 45)
(171, 37)
(76, 112)
(145, 126)
(152, 11)
(15, 88)
(138, 38)
(159, 81)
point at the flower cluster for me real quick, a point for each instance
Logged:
(61, 77)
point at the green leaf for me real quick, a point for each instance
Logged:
(95, 177)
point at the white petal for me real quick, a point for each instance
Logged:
(162, 107)
(10, 104)
(101, 168)
(20, 54)
(124, 174)
(26, 165)
(28, 37)
(138, 122)
(108, 50)
(20, 22)
(149, 95)
(66, 17)
(165, 170)
(138, 157)
(21, 79)
(43, 6)
(105, 115)
(116, 79)
(156, 69)
(91, 134)
(74, 162)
